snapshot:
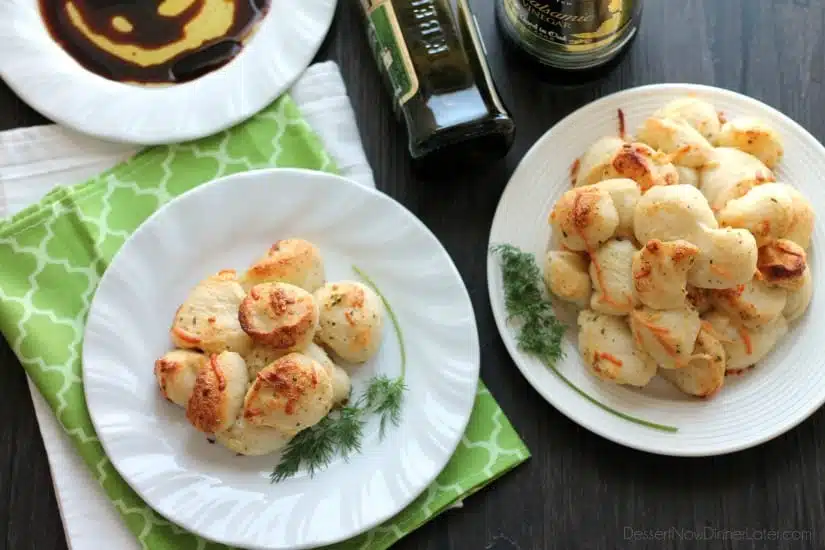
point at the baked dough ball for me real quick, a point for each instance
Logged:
(766, 211)
(699, 114)
(752, 136)
(668, 336)
(352, 320)
(753, 305)
(677, 212)
(660, 273)
(802, 219)
(608, 350)
(704, 375)
(625, 194)
(688, 176)
(727, 258)
(744, 347)
(611, 158)
(176, 372)
(782, 263)
(218, 395)
(341, 383)
(567, 277)
(260, 357)
(799, 300)
(585, 218)
(292, 394)
(250, 440)
(294, 261)
(208, 319)
(732, 174)
(280, 315)
(611, 271)
(677, 138)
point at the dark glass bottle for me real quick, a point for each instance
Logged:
(433, 62)
(570, 35)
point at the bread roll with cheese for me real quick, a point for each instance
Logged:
(566, 277)
(351, 320)
(176, 373)
(744, 347)
(688, 176)
(218, 394)
(753, 136)
(783, 263)
(292, 394)
(731, 174)
(247, 439)
(612, 158)
(625, 194)
(279, 315)
(699, 114)
(611, 272)
(607, 348)
(293, 261)
(596, 161)
(802, 219)
(727, 258)
(260, 357)
(660, 272)
(684, 145)
(677, 212)
(704, 374)
(341, 383)
(668, 336)
(753, 305)
(799, 300)
(585, 218)
(208, 319)
(766, 211)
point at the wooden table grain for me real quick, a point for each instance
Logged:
(578, 490)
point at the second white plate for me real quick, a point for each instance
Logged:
(227, 224)
(783, 390)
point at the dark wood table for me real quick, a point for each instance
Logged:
(578, 490)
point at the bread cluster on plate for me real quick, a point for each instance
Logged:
(252, 363)
(686, 256)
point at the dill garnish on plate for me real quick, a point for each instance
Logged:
(340, 433)
(540, 333)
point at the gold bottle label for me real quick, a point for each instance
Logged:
(572, 25)
(390, 49)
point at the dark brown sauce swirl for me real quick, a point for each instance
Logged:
(148, 30)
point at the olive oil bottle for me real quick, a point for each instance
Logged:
(432, 60)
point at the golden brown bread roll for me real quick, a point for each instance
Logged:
(280, 315)
(208, 319)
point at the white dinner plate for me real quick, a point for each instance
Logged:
(47, 78)
(784, 389)
(227, 224)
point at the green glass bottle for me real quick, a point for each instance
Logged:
(433, 61)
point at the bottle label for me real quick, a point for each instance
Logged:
(390, 49)
(572, 25)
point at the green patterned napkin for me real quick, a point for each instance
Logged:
(53, 254)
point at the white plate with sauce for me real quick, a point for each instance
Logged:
(782, 390)
(280, 46)
(205, 487)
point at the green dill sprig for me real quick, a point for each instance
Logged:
(384, 397)
(340, 433)
(541, 333)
